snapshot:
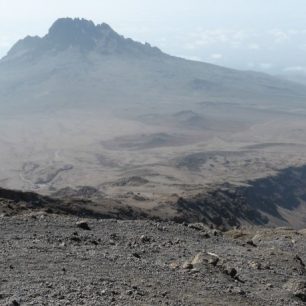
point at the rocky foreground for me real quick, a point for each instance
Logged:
(48, 259)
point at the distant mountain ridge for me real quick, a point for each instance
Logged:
(78, 63)
(83, 35)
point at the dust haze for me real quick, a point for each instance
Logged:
(84, 106)
(125, 169)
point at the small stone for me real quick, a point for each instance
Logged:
(299, 259)
(238, 291)
(145, 239)
(205, 257)
(197, 226)
(213, 260)
(255, 265)
(217, 232)
(194, 271)
(232, 272)
(251, 242)
(136, 255)
(174, 265)
(112, 242)
(75, 239)
(83, 225)
(187, 265)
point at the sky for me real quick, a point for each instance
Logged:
(264, 35)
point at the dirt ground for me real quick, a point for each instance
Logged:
(54, 260)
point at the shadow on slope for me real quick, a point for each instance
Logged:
(259, 203)
(17, 202)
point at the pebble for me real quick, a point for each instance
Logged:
(83, 225)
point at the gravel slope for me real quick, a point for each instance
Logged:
(48, 259)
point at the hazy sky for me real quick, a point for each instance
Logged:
(268, 35)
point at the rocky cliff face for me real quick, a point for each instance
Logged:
(275, 200)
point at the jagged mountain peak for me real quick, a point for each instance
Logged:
(63, 24)
(83, 35)
(77, 24)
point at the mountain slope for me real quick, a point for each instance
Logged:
(278, 200)
(84, 106)
(78, 63)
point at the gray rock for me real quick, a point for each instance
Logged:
(187, 265)
(83, 225)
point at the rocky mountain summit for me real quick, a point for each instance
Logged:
(82, 35)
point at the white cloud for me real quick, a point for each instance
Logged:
(190, 46)
(216, 56)
(265, 66)
(216, 36)
(279, 36)
(251, 65)
(295, 69)
(253, 46)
